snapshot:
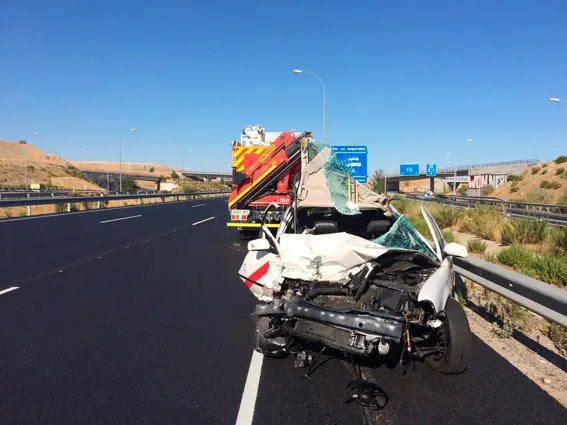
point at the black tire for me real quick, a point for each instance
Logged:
(456, 341)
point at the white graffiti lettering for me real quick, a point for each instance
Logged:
(483, 180)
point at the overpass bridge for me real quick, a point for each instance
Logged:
(111, 179)
(455, 174)
(206, 175)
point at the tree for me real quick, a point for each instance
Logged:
(152, 169)
(128, 184)
(23, 142)
(378, 183)
(174, 175)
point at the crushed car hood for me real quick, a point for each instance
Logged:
(329, 257)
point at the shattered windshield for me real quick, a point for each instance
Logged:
(404, 235)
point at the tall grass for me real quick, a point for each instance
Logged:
(483, 221)
(524, 230)
(447, 216)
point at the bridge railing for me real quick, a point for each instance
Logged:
(460, 168)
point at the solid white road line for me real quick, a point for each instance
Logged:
(248, 402)
(118, 219)
(202, 221)
(198, 205)
(5, 291)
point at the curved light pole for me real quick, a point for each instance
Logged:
(120, 166)
(299, 71)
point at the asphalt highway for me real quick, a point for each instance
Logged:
(137, 316)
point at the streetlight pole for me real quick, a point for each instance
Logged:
(120, 166)
(26, 161)
(299, 71)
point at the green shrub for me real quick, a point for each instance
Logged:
(514, 178)
(558, 335)
(8, 213)
(551, 268)
(546, 184)
(511, 315)
(60, 208)
(559, 171)
(562, 200)
(491, 257)
(22, 214)
(75, 208)
(524, 230)
(535, 170)
(544, 165)
(463, 189)
(514, 256)
(477, 246)
(514, 189)
(446, 216)
(561, 159)
(187, 188)
(559, 239)
(544, 172)
(448, 236)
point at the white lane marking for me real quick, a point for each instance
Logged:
(118, 219)
(198, 205)
(5, 291)
(202, 221)
(248, 401)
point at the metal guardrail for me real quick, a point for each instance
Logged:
(488, 200)
(553, 218)
(542, 298)
(4, 203)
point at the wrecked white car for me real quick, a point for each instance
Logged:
(348, 273)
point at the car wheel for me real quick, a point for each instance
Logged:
(455, 340)
(269, 347)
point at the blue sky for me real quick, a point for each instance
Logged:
(412, 80)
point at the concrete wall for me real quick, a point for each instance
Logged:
(493, 176)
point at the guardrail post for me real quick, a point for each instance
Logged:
(139, 201)
(29, 210)
(68, 207)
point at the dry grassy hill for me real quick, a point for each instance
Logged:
(142, 169)
(542, 183)
(43, 168)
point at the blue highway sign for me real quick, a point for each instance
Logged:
(355, 160)
(431, 170)
(409, 170)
